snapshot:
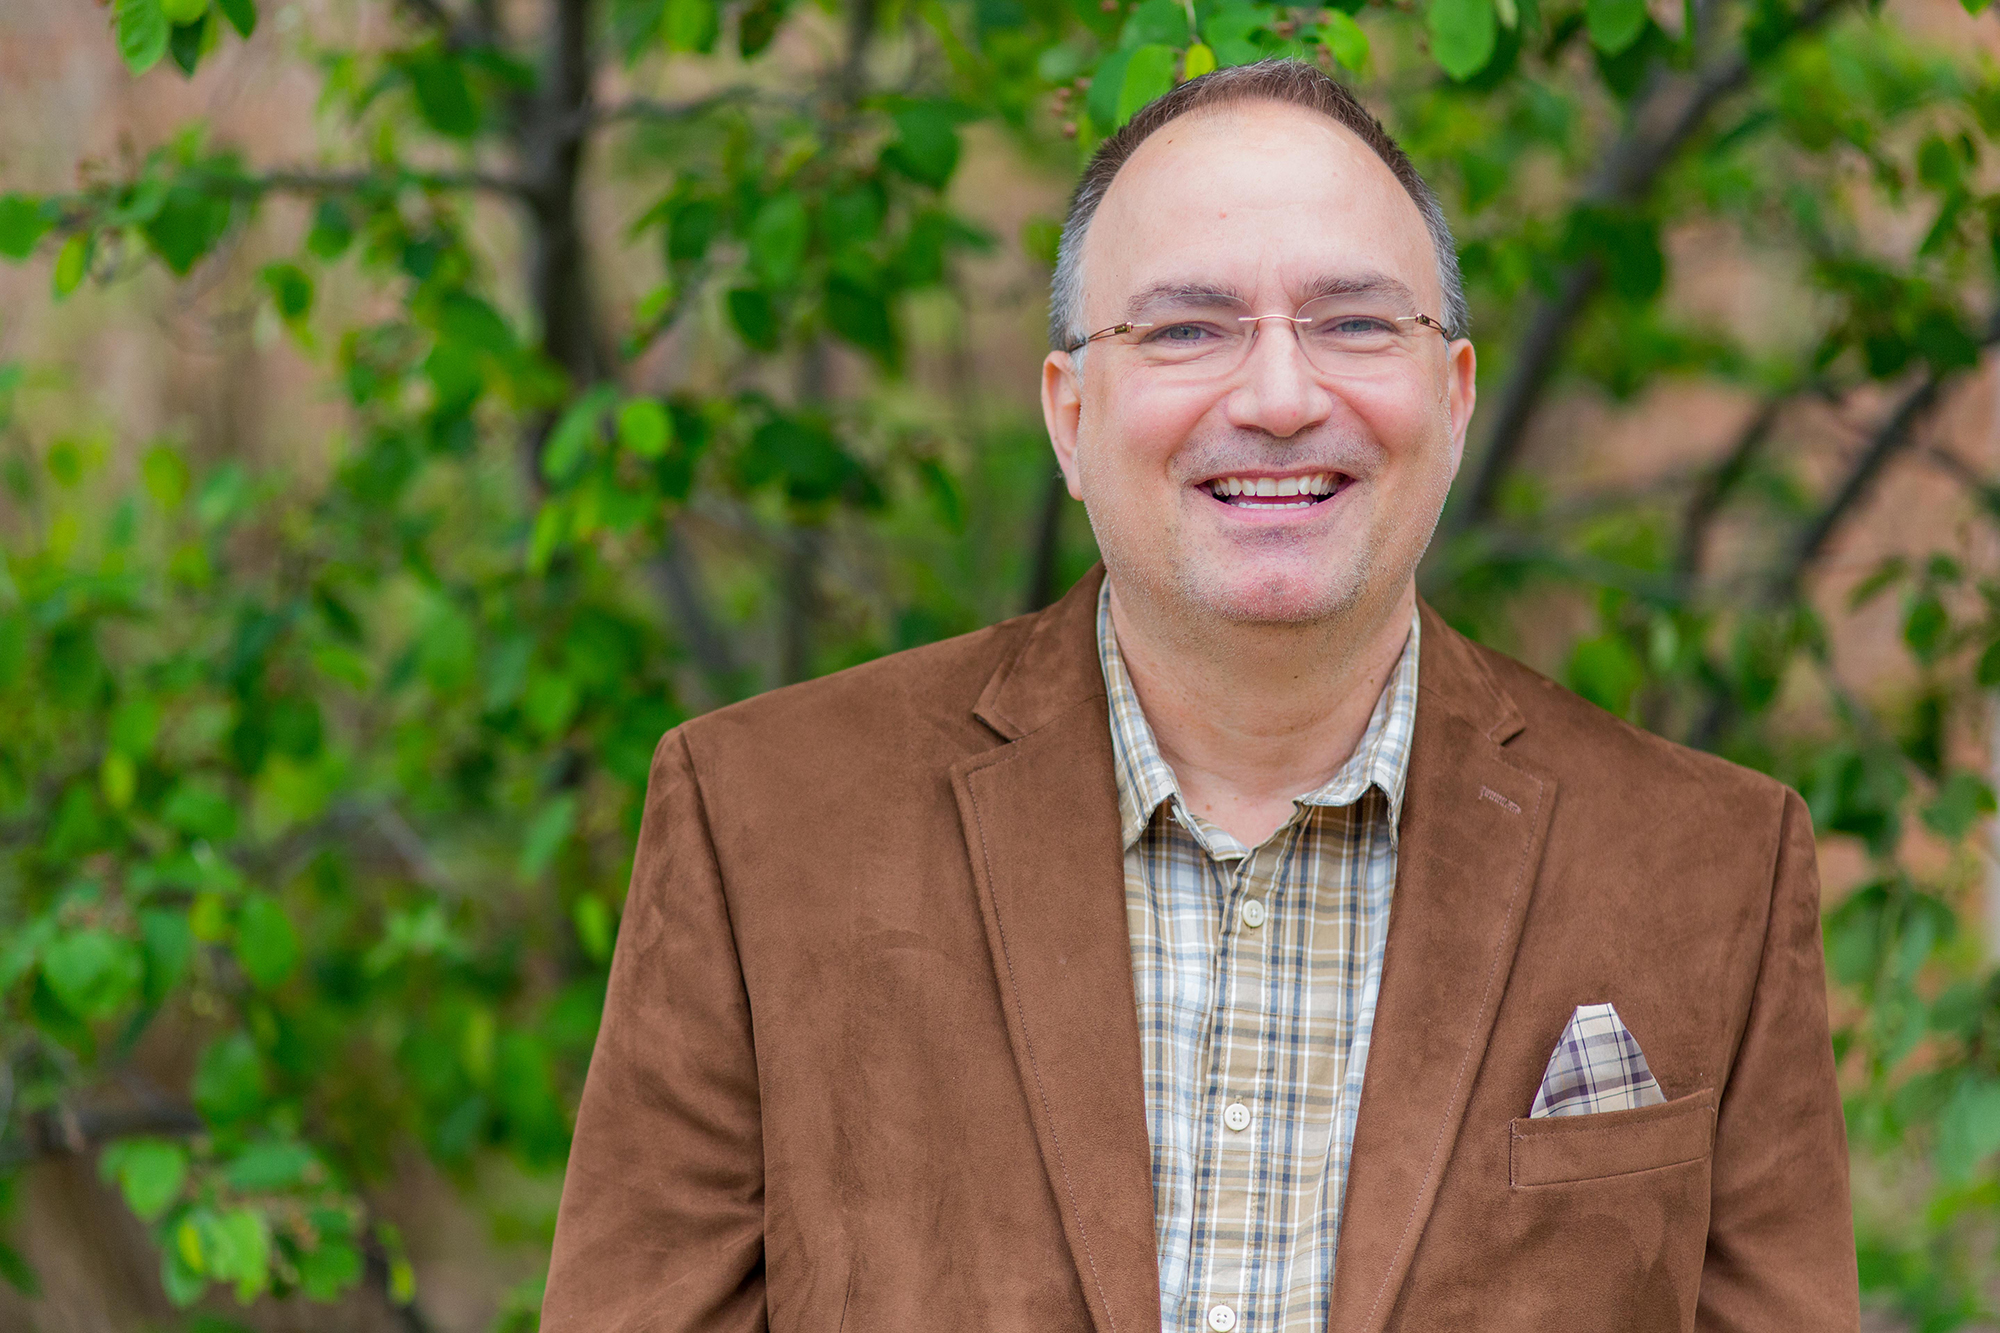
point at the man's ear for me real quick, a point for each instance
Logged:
(1062, 410)
(1461, 369)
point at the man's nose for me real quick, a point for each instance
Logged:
(1276, 391)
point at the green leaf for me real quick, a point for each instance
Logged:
(188, 225)
(1463, 34)
(861, 316)
(150, 1173)
(291, 289)
(464, 318)
(1926, 625)
(644, 427)
(547, 832)
(72, 262)
(269, 1165)
(201, 810)
(1232, 33)
(926, 146)
(693, 228)
(689, 25)
(242, 15)
(331, 1268)
(229, 1083)
(189, 41)
(1341, 35)
(1148, 74)
(332, 230)
(1607, 671)
(1198, 61)
(1156, 23)
(444, 95)
(168, 943)
(266, 944)
(778, 238)
(17, 1272)
(1989, 666)
(758, 24)
(593, 927)
(576, 434)
(142, 30)
(1105, 87)
(22, 225)
(1961, 800)
(93, 972)
(1968, 1128)
(183, 11)
(1614, 24)
(755, 317)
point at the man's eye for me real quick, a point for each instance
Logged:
(1356, 325)
(1184, 333)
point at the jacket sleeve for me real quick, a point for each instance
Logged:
(1781, 1234)
(661, 1226)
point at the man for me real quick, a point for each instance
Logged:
(1232, 945)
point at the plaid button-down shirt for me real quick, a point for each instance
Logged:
(1256, 970)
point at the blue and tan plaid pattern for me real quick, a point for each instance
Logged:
(1256, 971)
(1597, 1066)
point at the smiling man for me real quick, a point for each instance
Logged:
(1231, 945)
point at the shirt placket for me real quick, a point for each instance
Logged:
(1226, 1284)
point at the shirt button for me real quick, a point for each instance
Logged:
(1237, 1116)
(1253, 913)
(1221, 1318)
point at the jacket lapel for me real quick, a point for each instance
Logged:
(1474, 819)
(1041, 826)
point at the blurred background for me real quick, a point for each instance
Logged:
(410, 409)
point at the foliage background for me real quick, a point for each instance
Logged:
(410, 410)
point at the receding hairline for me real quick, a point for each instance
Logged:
(1234, 108)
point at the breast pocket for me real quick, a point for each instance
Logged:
(1565, 1150)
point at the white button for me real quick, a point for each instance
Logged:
(1253, 913)
(1237, 1116)
(1221, 1318)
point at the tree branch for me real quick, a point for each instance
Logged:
(1716, 485)
(1890, 438)
(457, 31)
(74, 1131)
(680, 581)
(1669, 114)
(1895, 433)
(652, 108)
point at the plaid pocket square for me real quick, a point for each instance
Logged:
(1597, 1066)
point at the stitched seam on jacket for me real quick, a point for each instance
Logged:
(1574, 1131)
(1771, 908)
(1485, 995)
(1035, 1066)
(1585, 1180)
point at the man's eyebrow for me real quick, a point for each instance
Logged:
(1358, 284)
(1184, 293)
(1218, 294)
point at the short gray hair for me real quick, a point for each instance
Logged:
(1292, 82)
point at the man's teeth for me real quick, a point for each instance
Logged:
(1318, 484)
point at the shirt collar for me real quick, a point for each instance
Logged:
(1145, 781)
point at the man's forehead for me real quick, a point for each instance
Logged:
(1259, 186)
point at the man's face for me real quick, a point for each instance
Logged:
(1257, 209)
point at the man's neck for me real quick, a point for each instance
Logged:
(1251, 716)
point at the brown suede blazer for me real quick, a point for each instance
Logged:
(870, 1058)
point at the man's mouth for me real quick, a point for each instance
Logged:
(1295, 492)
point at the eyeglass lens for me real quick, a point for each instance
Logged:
(1339, 334)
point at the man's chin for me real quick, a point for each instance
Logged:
(1273, 596)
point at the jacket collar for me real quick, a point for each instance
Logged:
(1056, 668)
